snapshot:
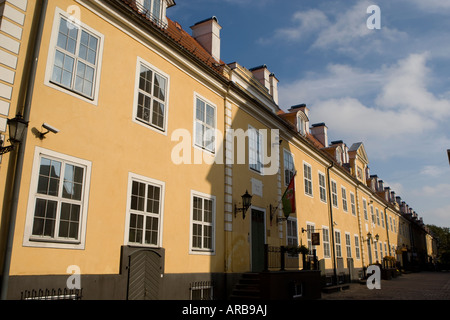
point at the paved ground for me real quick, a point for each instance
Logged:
(412, 286)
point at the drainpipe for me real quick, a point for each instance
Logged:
(331, 221)
(26, 89)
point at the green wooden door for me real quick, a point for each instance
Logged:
(258, 239)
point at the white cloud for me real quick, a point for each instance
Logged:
(344, 31)
(406, 88)
(431, 5)
(432, 171)
(306, 23)
(403, 116)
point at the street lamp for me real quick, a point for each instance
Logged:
(246, 203)
(17, 128)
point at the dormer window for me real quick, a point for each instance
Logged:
(339, 155)
(302, 123)
(155, 10)
(151, 8)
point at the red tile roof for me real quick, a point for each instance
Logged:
(175, 32)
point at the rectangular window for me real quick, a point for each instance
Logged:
(309, 232)
(375, 246)
(292, 235)
(337, 239)
(365, 209)
(352, 203)
(322, 187)
(74, 57)
(326, 242)
(308, 179)
(205, 125)
(378, 215)
(334, 195)
(202, 290)
(145, 211)
(382, 219)
(151, 99)
(202, 223)
(344, 199)
(255, 149)
(289, 169)
(58, 200)
(372, 213)
(152, 9)
(381, 251)
(357, 252)
(348, 245)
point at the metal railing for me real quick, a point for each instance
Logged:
(278, 258)
(202, 290)
(149, 15)
(52, 294)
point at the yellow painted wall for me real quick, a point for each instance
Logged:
(106, 135)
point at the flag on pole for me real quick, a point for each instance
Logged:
(288, 198)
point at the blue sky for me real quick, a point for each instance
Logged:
(388, 88)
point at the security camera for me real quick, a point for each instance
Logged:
(50, 128)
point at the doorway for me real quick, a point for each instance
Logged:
(258, 240)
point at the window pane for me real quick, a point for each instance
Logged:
(136, 228)
(145, 80)
(160, 87)
(210, 118)
(44, 218)
(72, 185)
(138, 196)
(158, 114)
(200, 110)
(69, 221)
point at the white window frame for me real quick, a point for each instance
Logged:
(344, 199)
(307, 179)
(348, 244)
(377, 213)
(289, 166)
(337, 241)
(375, 246)
(326, 242)
(255, 150)
(372, 214)
(59, 15)
(322, 187)
(292, 232)
(202, 251)
(132, 177)
(152, 16)
(366, 217)
(29, 239)
(357, 247)
(142, 122)
(334, 194)
(352, 203)
(382, 218)
(212, 129)
(310, 227)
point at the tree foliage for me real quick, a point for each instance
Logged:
(443, 236)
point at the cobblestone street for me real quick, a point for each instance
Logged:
(412, 286)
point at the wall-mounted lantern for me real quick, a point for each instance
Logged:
(17, 127)
(246, 203)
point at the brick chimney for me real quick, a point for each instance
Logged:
(320, 132)
(207, 33)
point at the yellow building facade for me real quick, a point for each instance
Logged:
(140, 145)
